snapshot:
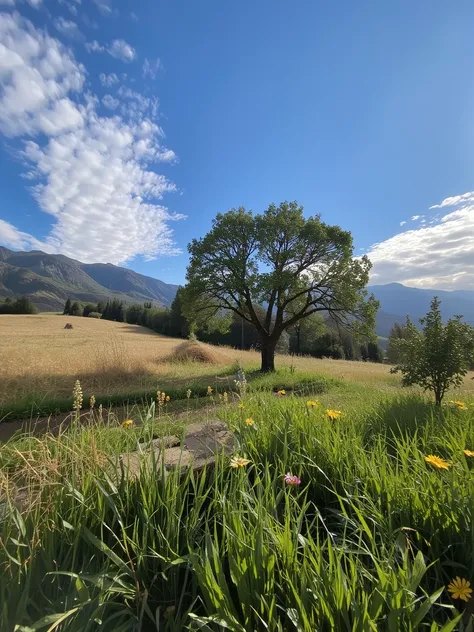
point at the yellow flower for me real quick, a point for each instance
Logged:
(168, 398)
(333, 414)
(459, 589)
(312, 403)
(128, 423)
(249, 421)
(209, 390)
(468, 452)
(438, 462)
(238, 461)
(281, 392)
(241, 405)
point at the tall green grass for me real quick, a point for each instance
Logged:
(368, 541)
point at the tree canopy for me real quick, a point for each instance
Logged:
(438, 356)
(290, 265)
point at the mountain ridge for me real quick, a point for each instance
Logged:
(48, 280)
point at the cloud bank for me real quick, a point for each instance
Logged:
(438, 255)
(93, 172)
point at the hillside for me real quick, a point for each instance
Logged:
(397, 301)
(48, 280)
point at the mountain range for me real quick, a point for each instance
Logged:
(48, 280)
(397, 301)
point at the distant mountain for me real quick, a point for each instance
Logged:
(48, 280)
(397, 301)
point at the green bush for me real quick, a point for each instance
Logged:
(94, 315)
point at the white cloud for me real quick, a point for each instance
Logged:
(8, 3)
(415, 217)
(108, 80)
(118, 49)
(136, 105)
(67, 28)
(70, 5)
(151, 68)
(104, 6)
(134, 16)
(36, 73)
(402, 223)
(121, 50)
(15, 238)
(94, 47)
(94, 173)
(109, 102)
(438, 255)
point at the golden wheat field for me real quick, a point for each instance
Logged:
(37, 355)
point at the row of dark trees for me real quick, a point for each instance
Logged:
(312, 336)
(21, 305)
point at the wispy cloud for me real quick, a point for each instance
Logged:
(104, 6)
(415, 218)
(93, 173)
(402, 223)
(151, 68)
(439, 254)
(110, 102)
(68, 28)
(108, 80)
(121, 50)
(134, 16)
(118, 49)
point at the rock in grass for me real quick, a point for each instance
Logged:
(199, 447)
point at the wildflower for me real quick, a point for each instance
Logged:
(238, 461)
(249, 421)
(312, 403)
(292, 480)
(241, 405)
(438, 462)
(188, 393)
(92, 402)
(225, 397)
(168, 398)
(209, 390)
(100, 412)
(77, 395)
(128, 423)
(468, 452)
(333, 414)
(458, 405)
(281, 392)
(459, 589)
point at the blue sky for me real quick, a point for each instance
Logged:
(117, 124)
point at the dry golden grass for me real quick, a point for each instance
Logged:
(38, 356)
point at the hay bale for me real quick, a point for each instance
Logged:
(68, 326)
(193, 351)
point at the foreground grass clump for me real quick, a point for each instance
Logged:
(319, 522)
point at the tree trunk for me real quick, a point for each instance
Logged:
(268, 356)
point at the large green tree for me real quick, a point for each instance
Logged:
(291, 265)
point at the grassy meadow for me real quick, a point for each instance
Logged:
(369, 539)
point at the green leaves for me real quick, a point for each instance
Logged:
(437, 357)
(281, 263)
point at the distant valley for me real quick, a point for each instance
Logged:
(50, 279)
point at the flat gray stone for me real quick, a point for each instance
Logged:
(201, 443)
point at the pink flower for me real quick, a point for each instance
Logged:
(292, 480)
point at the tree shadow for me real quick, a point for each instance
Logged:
(403, 417)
